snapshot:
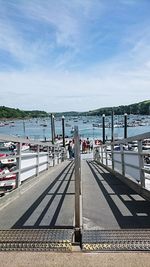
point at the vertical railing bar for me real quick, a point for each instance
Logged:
(18, 165)
(112, 156)
(122, 159)
(53, 156)
(141, 164)
(37, 168)
(48, 160)
(77, 179)
(106, 155)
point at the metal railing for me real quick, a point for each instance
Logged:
(128, 157)
(78, 189)
(26, 164)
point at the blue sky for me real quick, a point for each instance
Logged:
(63, 55)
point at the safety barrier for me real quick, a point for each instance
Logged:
(130, 158)
(24, 158)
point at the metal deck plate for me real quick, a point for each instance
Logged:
(116, 240)
(36, 240)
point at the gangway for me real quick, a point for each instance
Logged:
(88, 203)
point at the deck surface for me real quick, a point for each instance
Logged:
(107, 202)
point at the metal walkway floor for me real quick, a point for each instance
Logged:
(109, 204)
(115, 218)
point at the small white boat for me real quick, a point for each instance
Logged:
(7, 180)
(7, 161)
(97, 125)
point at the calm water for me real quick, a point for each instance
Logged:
(35, 129)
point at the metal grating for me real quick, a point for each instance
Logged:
(36, 240)
(116, 240)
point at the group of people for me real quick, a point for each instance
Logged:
(86, 146)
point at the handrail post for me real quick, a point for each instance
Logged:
(141, 164)
(53, 149)
(48, 161)
(102, 154)
(122, 159)
(37, 161)
(106, 155)
(18, 165)
(112, 155)
(77, 181)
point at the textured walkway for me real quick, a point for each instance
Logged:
(47, 204)
(107, 202)
(110, 204)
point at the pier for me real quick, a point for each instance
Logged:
(98, 201)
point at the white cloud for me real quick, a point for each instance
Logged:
(52, 86)
(59, 91)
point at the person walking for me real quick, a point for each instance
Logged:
(70, 150)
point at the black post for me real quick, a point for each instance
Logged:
(103, 125)
(52, 128)
(63, 130)
(125, 125)
(54, 134)
(112, 126)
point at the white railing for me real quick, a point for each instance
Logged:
(128, 157)
(19, 165)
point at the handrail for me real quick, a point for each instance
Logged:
(36, 161)
(133, 138)
(126, 161)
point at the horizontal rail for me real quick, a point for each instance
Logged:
(28, 163)
(133, 138)
(128, 162)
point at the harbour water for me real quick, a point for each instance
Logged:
(89, 126)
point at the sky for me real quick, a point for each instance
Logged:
(74, 55)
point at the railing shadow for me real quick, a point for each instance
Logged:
(120, 197)
(52, 192)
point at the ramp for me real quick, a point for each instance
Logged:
(116, 240)
(36, 240)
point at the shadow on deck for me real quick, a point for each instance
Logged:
(52, 198)
(129, 209)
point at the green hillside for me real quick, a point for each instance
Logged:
(6, 112)
(142, 108)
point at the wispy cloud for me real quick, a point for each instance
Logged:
(74, 55)
(54, 29)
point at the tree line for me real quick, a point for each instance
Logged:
(142, 108)
(6, 112)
